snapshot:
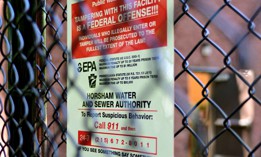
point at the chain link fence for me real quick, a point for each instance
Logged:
(217, 78)
(215, 47)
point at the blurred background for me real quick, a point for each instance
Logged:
(217, 53)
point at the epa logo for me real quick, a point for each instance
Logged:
(92, 80)
(87, 66)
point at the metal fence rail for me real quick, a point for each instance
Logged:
(33, 77)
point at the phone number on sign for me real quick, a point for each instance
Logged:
(122, 142)
(142, 144)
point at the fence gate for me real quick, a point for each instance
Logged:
(217, 78)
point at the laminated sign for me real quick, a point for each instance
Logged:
(120, 78)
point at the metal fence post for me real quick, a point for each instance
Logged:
(40, 77)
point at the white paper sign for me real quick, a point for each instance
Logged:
(121, 102)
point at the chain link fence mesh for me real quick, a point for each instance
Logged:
(223, 35)
(220, 34)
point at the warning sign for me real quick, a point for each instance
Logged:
(117, 26)
(121, 100)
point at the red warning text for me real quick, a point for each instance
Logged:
(109, 27)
